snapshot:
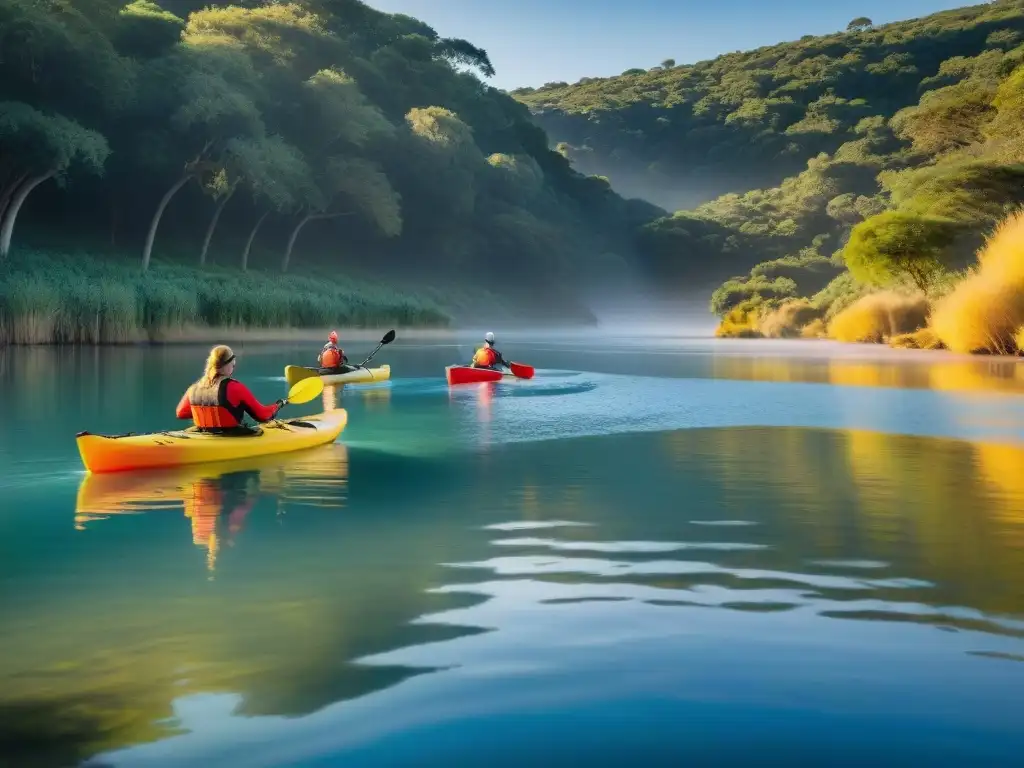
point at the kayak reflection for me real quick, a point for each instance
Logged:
(217, 498)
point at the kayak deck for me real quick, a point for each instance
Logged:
(118, 453)
(464, 374)
(296, 373)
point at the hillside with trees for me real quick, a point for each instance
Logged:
(681, 135)
(174, 161)
(888, 155)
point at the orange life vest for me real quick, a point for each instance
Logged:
(485, 357)
(210, 406)
(331, 356)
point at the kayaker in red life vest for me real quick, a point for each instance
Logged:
(218, 403)
(487, 356)
(332, 356)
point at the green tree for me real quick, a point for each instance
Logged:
(35, 147)
(1003, 132)
(973, 192)
(443, 151)
(209, 93)
(339, 113)
(348, 186)
(740, 290)
(146, 30)
(946, 119)
(458, 51)
(860, 24)
(893, 246)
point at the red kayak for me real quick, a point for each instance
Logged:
(464, 374)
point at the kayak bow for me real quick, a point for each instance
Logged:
(119, 453)
(466, 374)
(296, 373)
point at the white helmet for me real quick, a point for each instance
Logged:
(489, 337)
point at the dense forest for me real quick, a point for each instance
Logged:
(886, 156)
(167, 163)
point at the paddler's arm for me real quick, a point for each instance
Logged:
(239, 395)
(184, 409)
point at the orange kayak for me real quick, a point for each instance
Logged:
(119, 453)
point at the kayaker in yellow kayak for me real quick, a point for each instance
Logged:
(332, 356)
(217, 403)
(487, 356)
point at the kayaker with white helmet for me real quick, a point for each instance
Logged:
(487, 356)
(217, 403)
(332, 356)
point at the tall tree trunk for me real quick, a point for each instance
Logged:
(23, 191)
(7, 192)
(298, 228)
(147, 249)
(213, 225)
(292, 238)
(113, 223)
(248, 243)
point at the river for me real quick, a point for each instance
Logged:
(663, 550)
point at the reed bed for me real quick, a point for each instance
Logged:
(58, 298)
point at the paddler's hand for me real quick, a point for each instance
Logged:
(281, 403)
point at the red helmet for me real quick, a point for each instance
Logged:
(333, 336)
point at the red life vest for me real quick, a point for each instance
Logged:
(331, 356)
(485, 357)
(210, 407)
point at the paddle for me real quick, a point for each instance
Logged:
(304, 391)
(521, 371)
(388, 338)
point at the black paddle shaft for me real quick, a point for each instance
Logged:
(388, 338)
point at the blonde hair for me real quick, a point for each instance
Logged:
(218, 357)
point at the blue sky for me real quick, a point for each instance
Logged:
(532, 42)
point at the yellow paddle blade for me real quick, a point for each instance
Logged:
(305, 390)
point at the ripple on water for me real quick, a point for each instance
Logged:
(626, 546)
(553, 390)
(525, 525)
(858, 564)
(538, 565)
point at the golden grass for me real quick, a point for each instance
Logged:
(879, 316)
(787, 321)
(1018, 338)
(925, 338)
(740, 323)
(985, 312)
(816, 329)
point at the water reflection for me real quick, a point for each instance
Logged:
(217, 498)
(751, 568)
(927, 370)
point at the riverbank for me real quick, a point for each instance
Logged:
(978, 310)
(54, 297)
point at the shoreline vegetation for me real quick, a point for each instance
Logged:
(66, 299)
(979, 310)
(57, 298)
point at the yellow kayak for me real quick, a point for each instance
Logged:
(119, 453)
(296, 373)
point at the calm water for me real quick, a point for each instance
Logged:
(664, 552)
